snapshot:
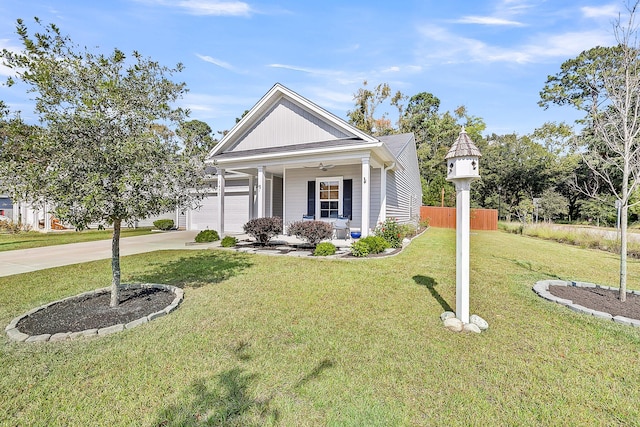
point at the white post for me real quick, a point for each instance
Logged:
(462, 249)
(366, 196)
(47, 218)
(220, 202)
(252, 196)
(383, 195)
(262, 188)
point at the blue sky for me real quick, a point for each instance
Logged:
(491, 56)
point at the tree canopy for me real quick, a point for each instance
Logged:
(105, 150)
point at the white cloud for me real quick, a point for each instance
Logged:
(488, 20)
(611, 11)
(217, 8)
(452, 48)
(316, 71)
(207, 7)
(215, 61)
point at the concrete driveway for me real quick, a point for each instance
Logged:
(27, 260)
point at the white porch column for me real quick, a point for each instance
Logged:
(47, 218)
(366, 196)
(252, 195)
(262, 190)
(220, 202)
(383, 194)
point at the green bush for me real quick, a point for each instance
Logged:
(390, 231)
(263, 229)
(228, 242)
(324, 249)
(359, 249)
(376, 244)
(163, 224)
(206, 236)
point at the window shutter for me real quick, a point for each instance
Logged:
(347, 198)
(311, 198)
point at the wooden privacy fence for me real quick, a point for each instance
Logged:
(481, 219)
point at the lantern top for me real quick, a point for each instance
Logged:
(463, 147)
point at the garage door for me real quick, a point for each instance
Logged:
(236, 209)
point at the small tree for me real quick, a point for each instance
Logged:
(604, 82)
(553, 205)
(110, 154)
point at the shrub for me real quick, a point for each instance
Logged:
(312, 232)
(163, 224)
(263, 229)
(8, 226)
(206, 236)
(390, 231)
(359, 249)
(324, 249)
(229, 242)
(376, 244)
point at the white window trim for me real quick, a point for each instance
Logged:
(340, 189)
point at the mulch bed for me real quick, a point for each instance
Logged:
(93, 311)
(605, 300)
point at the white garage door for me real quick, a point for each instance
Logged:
(236, 209)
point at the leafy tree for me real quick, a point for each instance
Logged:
(516, 168)
(111, 158)
(604, 83)
(196, 137)
(553, 205)
(20, 154)
(367, 101)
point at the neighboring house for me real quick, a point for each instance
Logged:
(290, 158)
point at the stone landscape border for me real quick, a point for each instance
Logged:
(542, 289)
(15, 335)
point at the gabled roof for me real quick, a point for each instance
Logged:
(307, 123)
(397, 143)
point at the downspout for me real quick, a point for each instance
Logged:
(383, 192)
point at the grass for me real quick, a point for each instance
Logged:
(263, 340)
(34, 239)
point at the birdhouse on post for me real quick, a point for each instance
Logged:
(463, 167)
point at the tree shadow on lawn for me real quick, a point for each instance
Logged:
(431, 283)
(226, 403)
(229, 401)
(195, 271)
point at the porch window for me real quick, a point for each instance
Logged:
(329, 197)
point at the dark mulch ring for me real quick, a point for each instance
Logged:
(604, 300)
(93, 311)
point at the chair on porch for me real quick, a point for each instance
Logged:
(341, 225)
(308, 218)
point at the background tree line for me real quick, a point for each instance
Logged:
(540, 175)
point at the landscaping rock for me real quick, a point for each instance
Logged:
(447, 315)
(479, 322)
(471, 327)
(60, 336)
(111, 329)
(453, 324)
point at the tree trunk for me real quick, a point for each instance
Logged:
(623, 252)
(115, 264)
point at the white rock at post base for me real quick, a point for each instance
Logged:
(479, 322)
(471, 327)
(453, 324)
(447, 315)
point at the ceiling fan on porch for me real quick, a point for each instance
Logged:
(321, 167)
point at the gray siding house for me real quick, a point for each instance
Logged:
(290, 158)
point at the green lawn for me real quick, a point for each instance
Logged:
(34, 239)
(263, 340)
